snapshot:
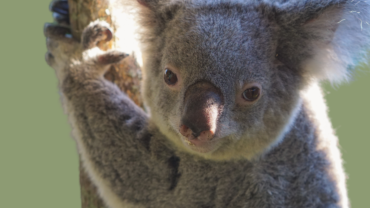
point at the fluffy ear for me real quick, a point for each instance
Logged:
(149, 13)
(144, 10)
(152, 15)
(150, 4)
(323, 38)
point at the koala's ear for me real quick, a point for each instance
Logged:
(324, 38)
(150, 4)
(150, 16)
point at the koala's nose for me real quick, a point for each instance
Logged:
(203, 105)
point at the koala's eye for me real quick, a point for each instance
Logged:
(251, 94)
(169, 77)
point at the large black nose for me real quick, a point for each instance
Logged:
(203, 105)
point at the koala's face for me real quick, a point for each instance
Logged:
(213, 83)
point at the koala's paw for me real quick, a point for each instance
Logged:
(95, 32)
(66, 55)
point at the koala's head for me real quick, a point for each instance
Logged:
(223, 78)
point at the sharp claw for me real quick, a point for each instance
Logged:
(49, 58)
(60, 7)
(61, 18)
(51, 30)
(60, 11)
(108, 35)
(111, 57)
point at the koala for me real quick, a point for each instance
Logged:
(235, 114)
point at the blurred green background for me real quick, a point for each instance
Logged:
(38, 159)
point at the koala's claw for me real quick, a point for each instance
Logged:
(60, 9)
(56, 31)
(61, 19)
(95, 32)
(111, 57)
(59, 6)
(49, 58)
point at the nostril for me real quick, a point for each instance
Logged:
(189, 131)
(200, 135)
(185, 131)
(205, 136)
(196, 123)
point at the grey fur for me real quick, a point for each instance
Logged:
(277, 152)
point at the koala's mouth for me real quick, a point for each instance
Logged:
(200, 144)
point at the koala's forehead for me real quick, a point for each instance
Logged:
(229, 41)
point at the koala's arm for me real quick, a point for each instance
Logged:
(124, 154)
